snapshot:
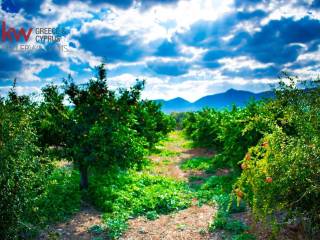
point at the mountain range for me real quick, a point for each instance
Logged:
(217, 101)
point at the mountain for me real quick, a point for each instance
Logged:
(176, 105)
(217, 101)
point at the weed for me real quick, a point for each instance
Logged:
(96, 229)
(197, 163)
(129, 194)
(244, 236)
(166, 162)
(152, 215)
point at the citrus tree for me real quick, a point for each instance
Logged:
(110, 129)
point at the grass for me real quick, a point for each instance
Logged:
(168, 153)
(207, 164)
(166, 162)
(162, 151)
(187, 145)
(197, 163)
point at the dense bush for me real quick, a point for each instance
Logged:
(32, 193)
(227, 131)
(59, 199)
(282, 176)
(20, 169)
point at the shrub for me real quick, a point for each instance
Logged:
(278, 141)
(20, 169)
(283, 177)
(230, 132)
(60, 198)
(179, 118)
(280, 179)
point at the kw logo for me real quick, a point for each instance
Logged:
(17, 34)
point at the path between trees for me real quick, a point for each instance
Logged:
(189, 224)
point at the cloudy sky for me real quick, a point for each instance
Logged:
(186, 48)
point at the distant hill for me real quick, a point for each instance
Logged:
(176, 105)
(217, 101)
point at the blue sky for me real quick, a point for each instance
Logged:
(186, 48)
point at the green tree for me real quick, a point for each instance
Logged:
(110, 129)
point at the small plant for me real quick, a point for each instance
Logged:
(223, 221)
(244, 236)
(166, 162)
(152, 215)
(181, 227)
(197, 163)
(202, 231)
(96, 229)
(168, 153)
(97, 238)
(116, 224)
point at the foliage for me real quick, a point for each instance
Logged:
(20, 169)
(228, 131)
(271, 148)
(222, 221)
(96, 229)
(60, 198)
(129, 194)
(111, 128)
(244, 236)
(101, 130)
(278, 142)
(197, 163)
(178, 117)
(51, 118)
(282, 173)
(152, 215)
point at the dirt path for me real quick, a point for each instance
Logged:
(76, 228)
(178, 151)
(188, 224)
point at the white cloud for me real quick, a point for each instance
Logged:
(21, 90)
(161, 21)
(237, 63)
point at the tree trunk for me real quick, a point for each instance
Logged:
(84, 182)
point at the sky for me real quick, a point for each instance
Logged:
(186, 48)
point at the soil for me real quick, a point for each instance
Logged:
(188, 224)
(76, 228)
